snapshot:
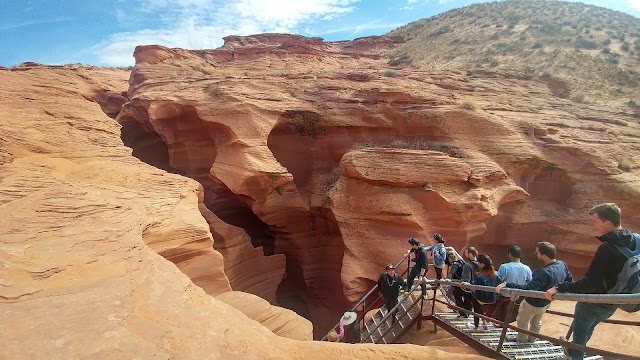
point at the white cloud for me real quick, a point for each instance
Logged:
(15, 25)
(201, 24)
(634, 4)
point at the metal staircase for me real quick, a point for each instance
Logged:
(384, 331)
(494, 341)
(511, 349)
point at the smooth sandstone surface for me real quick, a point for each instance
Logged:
(306, 166)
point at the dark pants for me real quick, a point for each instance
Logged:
(463, 299)
(415, 271)
(390, 303)
(477, 307)
(585, 319)
(501, 307)
(438, 273)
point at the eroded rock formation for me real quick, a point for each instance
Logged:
(332, 158)
(313, 163)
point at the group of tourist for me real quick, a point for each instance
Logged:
(551, 277)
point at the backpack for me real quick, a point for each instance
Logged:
(458, 274)
(440, 255)
(629, 277)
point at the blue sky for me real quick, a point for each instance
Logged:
(105, 32)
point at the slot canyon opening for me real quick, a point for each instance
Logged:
(191, 151)
(146, 146)
(313, 162)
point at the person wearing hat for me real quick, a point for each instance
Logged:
(348, 318)
(389, 284)
(421, 262)
(352, 330)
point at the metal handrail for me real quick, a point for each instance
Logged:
(392, 312)
(364, 298)
(593, 298)
(590, 298)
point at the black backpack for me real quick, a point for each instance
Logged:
(458, 274)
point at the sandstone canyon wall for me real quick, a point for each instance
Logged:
(284, 167)
(83, 224)
(324, 154)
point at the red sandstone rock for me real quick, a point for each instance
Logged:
(299, 135)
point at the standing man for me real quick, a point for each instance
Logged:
(514, 272)
(601, 275)
(421, 266)
(389, 284)
(464, 298)
(553, 272)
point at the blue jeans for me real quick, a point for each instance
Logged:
(585, 319)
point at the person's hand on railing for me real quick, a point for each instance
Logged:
(464, 283)
(445, 280)
(406, 254)
(549, 294)
(500, 287)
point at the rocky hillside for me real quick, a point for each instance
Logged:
(596, 51)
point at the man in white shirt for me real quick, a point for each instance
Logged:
(512, 272)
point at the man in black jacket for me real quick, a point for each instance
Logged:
(531, 310)
(601, 275)
(421, 266)
(389, 284)
(464, 298)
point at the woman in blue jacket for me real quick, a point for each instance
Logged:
(438, 254)
(484, 302)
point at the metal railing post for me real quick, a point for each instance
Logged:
(503, 334)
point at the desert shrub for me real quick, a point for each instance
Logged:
(441, 31)
(606, 50)
(422, 144)
(582, 43)
(625, 164)
(468, 104)
(306, 123)
(536, 45)
(390, 73)
(625, 47)
(606, 42)
(411, 144)
(579, 98)
(331, 182)
(399, 60)
(529, 73)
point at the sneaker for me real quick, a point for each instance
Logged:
(485, 326)
(511, 338)
(462, 316)
(471, 326)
